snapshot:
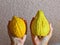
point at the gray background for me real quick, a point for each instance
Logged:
(27, 9)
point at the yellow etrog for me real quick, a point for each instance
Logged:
(40, 25)
(17, 27)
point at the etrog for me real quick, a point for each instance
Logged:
(17, 27)
(40, 25)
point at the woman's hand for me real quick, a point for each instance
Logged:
(19, 41)
(15, 40)
(44, 40)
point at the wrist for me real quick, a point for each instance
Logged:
(44, 43)
(16, 41)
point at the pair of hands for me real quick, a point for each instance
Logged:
(35, 39)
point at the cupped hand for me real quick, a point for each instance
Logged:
(43, 41)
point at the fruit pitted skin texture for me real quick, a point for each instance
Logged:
(17, 27)
(40, 25)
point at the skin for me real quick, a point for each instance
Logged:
(41, 41)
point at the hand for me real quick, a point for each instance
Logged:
(15, 40)
(44, 41)
(19, 41)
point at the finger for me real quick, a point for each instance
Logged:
(31, 32)
(51, 30)
(37, 39)
(51, 27)
(15, 38)
(31, 29)
(26, 26)
(24, 38)
(8, 24)
(9, 30)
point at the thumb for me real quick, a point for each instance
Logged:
(51, 30)
(36, 39)
(24, 38)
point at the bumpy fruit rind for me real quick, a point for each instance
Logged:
(17, 27)
(40, 25)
